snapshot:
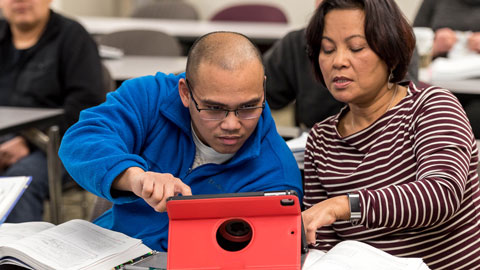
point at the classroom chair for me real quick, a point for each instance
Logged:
(142, 42)
(171, 9)
(100, 205)
(251, 13)
(74, 197)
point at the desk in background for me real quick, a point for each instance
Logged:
(467, 86)
(458, 86)
(28, 122)
(263, 34)
(128, 67)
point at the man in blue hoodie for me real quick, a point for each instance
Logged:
(207, 131)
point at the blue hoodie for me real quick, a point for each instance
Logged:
(144, 124)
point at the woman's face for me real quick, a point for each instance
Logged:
(353, 72)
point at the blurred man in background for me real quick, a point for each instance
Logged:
(46, 61)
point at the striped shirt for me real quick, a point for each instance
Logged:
(415, 169)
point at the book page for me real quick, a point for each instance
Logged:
(11, 188)
(77, 244)
(354, 255)
(313, 256)
(10, 232)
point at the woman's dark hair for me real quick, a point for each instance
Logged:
(387, 31)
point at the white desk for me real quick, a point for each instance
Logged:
(14, 119)
(28, 121)
(464, 86)
(129, 67)
(470, 86)
(187, 30)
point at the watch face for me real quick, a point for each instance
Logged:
(355, 211)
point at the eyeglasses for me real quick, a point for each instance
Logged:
(216, 114)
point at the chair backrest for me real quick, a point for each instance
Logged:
(142, 42)
(171, 9)
(100, 205)
(109, 84)
(251, 13)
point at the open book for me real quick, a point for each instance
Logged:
(11, 189)
(356, 255)
(75, 244)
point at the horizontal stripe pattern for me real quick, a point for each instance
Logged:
(415, 169)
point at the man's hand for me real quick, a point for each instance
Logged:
(323, 214)
(444, 40)
(13, 150)
(474, 42)
(153, 187)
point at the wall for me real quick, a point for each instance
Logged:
(93, 7)
(298, 11)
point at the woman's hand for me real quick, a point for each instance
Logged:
(324, 213)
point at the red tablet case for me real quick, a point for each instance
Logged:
(196, 223)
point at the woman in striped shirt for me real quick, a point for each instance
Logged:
(396, 167)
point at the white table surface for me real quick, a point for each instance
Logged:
(186, 29)
(128, 67)
(13, 119)
(464, 86)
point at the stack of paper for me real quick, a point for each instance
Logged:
(297, 146)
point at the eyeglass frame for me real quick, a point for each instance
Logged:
(227, 111)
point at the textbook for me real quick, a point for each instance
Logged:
(357, 255)
(73, 245)
(11, 189)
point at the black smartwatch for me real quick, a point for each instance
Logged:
(354, 202)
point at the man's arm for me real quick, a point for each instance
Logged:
(154, 188)
(108, 138)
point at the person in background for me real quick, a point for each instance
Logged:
(290, 79)
(206, 131)
(396, 168)
(46, 61)
(445, 17)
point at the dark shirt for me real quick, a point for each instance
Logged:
(7, 79)
(461, 15)
(62, 70)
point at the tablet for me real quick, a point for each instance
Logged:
(254, 230)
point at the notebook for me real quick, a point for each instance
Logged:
(254, 230)
(11, 189)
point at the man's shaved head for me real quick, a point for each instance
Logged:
(227, 50)
(224, 73)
